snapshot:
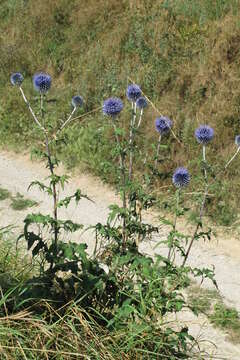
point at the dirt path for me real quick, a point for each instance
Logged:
(17, 171)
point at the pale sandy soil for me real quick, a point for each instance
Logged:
(17, 171)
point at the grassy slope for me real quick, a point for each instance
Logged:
(183, 53)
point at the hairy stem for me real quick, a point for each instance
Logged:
(131, 140)
(55, 209)
(198, 224)
(68, 119)
(201, 209)
(232, 158)
(140, 118)
(51, 168)
(31, 110)
(123, 175)
(204, 159)
(50, 163)
(175, 221)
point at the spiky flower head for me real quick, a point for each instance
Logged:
(16, 79)
(204, 134)
(141, 102)
(237, 140)
(42, 82)
(133, 92)
(181, 177)
(77, 101)
(163, 124)
(112, 106)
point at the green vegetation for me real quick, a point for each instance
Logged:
(33, 327)
(202, 299)
(228, 319)
(210, 303)
(18, 202)
(4, 194)
(184, 54)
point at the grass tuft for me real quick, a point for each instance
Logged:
(228, 319)
(210, 303)
(4, 194)
(20, 203)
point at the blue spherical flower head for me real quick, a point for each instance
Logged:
(112, 107)
(163, 124)
(181, 177)
(204, 134)
(16, 79)
(77, 101)
(141, 102)
(133, 92)
(42, 82)
(237, 140)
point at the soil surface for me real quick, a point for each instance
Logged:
(18, 171)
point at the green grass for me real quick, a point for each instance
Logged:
(202, 299)
(4, 194)
(20, 203)
(227, 319)
(210, 303)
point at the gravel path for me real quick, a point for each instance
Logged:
(17, 171)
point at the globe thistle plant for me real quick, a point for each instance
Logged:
(16, 79)
(163, 124)
(181, 177)
(204, 134)
(112, 107)
(141, 102)
(133, 92)
(42, 82)
(237, 140)
(77, 101)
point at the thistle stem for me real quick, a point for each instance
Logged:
(232, 158)
(175, 221)
(131, 139)
(123, 174)
(31, 110)
(140, 118)
(204, 153)
(51, 168)
(86, 114)
(204, 159)
(201, 209)
(50, 163)
(158, 150)
(68, 119)
(55, 208)
(198, 225)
